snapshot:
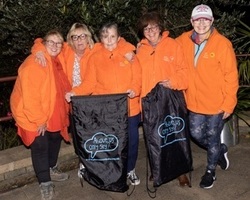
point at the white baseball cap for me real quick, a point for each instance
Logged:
(202, 11)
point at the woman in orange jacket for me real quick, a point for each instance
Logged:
(41, 112)
(161, 59)
(213, 84)
(110, 72)
(76, 51)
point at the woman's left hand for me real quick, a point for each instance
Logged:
(131, 93)
(166, 84)
(225, 114)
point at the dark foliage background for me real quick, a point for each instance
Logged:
(21, 21)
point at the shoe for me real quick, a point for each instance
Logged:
(133, 178)
(183, 180)
(223, 161)
(47, 190)
(81, 170)
(207, 181)
(57, 175)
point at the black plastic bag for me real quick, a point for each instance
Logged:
(166, 134)
(101, 139)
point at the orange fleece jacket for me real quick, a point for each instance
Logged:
(32, 100)
(69, 57)
(213, 82)
(110, 73)
(165, 61)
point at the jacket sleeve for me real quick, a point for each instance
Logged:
(179, 79)
(38, 46)
(125, 47)
(32, 79)
(136, 72)
(231, 83)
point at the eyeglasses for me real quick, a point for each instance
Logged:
(152, 28)
(204, 20)
(76, 37)
(52, 43)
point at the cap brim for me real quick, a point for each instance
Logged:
(202, 16)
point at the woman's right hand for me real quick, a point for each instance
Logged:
(41, 129)
(166, 84)
(130, 56)
(40, 58)
(131, 93)
(68, 96)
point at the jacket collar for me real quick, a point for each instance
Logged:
(195, 37)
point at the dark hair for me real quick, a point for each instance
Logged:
(152, 17)
(105, 27)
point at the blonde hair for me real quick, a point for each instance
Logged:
(85, 31)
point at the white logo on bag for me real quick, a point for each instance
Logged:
(171, 126)
(101, 142)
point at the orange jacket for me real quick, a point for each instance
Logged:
(32, 100)
(165, 61)
(213, 82)
(69, 57)
(110, 73)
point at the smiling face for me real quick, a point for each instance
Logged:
(202, 25)
(152, 33)
(79, 40)
(53, 44)
(110, 38)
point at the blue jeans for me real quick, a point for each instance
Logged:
(206, 130)
(133, 141)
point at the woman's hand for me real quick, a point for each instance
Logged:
(130, 56)
(40, 58)
(41, 129)
(68, 96)
(225, 114)
(166, 84)
(131, 93)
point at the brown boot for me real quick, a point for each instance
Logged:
(183, 180)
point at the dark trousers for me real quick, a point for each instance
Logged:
(44, 154)
(206, 130)
(133, 141)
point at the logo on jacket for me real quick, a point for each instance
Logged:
(124, 63)
(209, 55)
(212, 55)
(170, 130)
(168, 58)
(100, 143)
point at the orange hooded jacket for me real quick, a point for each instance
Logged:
(33, 98)
(69, 57)
(110, 73)
(213, 82)
(163, 62)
